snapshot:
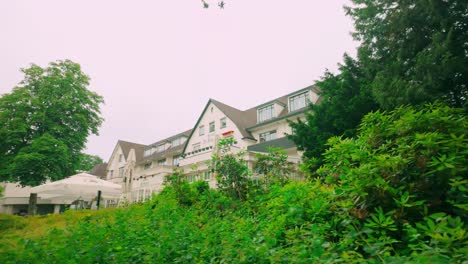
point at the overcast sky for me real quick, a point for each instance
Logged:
(157, 63)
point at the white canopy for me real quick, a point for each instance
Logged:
(80, 186)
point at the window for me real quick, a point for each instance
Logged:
(266, 113)
(147, 152)
(176, 160)
(111, 173)
(192, 177)
(196, 146)
(201, 130)
(120, 157)
(267, 136)
(212, 127)
(141, 192)
(121, 172)
(222, 122)
(160, 148)
(206, 175)
(298, 101)
(177, 141)
(148, 165)
(162, 162)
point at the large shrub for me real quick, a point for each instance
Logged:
(403, 181)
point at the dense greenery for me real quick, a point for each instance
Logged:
(394, 194)
(86, 162)
(230, 170)
(411, 52)
(44, 123)
(417, 49)
(345, 99)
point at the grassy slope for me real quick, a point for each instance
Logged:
(15, 228)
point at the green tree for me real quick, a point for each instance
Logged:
(404, 180)
(87, 162)
(274, 166)
(345, 99)
(418, 49)
(231, 170)
(44, 123)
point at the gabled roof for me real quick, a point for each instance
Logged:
(242, 119)
(247, 119)
(169, 139)
(127, 146)
(99, 170)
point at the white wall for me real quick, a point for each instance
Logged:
(114, 164)
(212, 114)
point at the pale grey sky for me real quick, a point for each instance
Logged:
(156, 63)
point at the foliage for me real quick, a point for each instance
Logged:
(231, 170)
(206, 4)
(404, 180)
(45, 122)
(345, 99)
(417, 49)
(185, 193)
(411, 52)
(274, 166)
(87, 162)
(396, 193)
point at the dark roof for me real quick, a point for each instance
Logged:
(171, 151)
(99, 170)
(127, 146)
(169, 139)
(247, 119)
(285, 113)
(164, 154)
(284, 143)
(242, 119)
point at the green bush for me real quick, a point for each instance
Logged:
(403, 182)
(394, 194)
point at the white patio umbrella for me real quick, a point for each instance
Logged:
(80, 186)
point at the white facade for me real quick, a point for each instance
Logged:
(142, 169)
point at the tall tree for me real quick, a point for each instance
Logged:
(345, 99)
(418, 48)
(87, 162)
(45, 121)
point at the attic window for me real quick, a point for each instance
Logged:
(177, 141)
(160, 148)
(298, 101)
(266, 113)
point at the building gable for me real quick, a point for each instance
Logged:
(213, 114)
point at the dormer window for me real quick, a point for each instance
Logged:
(298, 101)
(177, 141)
(160, 148)
(266, 113)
